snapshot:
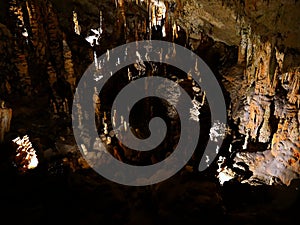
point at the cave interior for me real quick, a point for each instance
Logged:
(252, 47)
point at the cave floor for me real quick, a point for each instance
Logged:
(83, 197)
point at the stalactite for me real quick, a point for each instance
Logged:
(122, 25)
(97, 105)
(243, 46)
(38, 32)
(68, 65)
(55, 37)
(77, 28)
(20, 60)
(245, 145)
(258, 120)
(174, 32)
(6, 66)
(52, 77)
(293, 78)
(59, 107)
(22, 66)
(5, 119)
(100, 21)
(263, 83)
(265, 130)
(31, 8)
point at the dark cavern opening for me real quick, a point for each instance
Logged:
(129, 112)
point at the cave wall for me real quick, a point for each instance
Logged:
(265, 107)
(264, 84)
